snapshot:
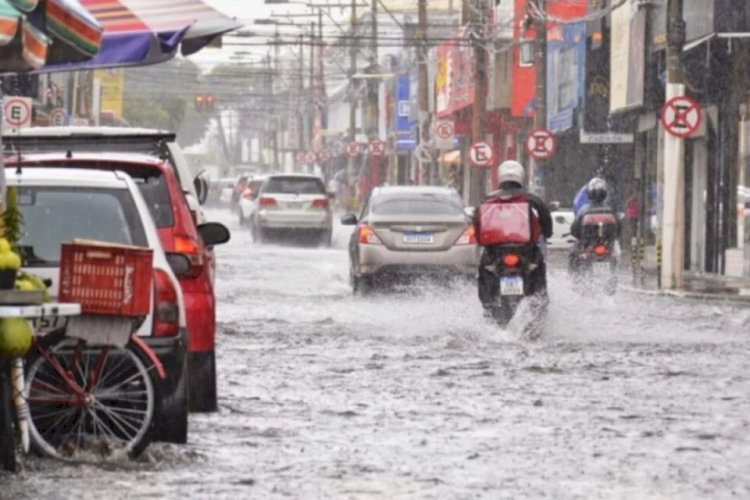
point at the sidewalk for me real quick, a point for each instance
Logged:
(696, 286)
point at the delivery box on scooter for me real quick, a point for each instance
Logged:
(504, 223)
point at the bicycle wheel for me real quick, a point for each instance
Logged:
(7, 429)
(86, 399)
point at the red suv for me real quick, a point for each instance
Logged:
(178, 233)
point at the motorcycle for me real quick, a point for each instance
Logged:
(506, 280)
(593, 263)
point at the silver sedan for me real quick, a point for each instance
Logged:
(411, 231)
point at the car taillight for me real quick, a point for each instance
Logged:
(266, 202)
(191, 249)
(469, 237)
(321, 204)
(600, 250)
(511, 260)
(166, 307)
(367, 236)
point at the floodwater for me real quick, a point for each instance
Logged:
(415, 395)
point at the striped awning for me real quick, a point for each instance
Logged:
(138, 32)
(36, 33)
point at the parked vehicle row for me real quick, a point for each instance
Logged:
(79, 184)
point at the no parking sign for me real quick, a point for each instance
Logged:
(16, 112)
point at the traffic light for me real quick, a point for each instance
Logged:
(209, 102)
(200, 103)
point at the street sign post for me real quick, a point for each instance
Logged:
(17, 112)
(377, 147)
(481, 154)
(681, 116)
(541, 144)
(352, 149)
(444, 132)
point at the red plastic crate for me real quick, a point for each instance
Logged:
(105, 278)
(504, 223)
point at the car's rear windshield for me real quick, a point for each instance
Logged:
(54, 215)
(294, 185)
(156, 193)
(416, 204)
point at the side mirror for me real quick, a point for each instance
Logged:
(470, 212)
(214, 233)
(348, 219)
(202, 184)
(179, 263)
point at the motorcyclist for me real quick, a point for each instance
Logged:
(597, 193)
(511, 178)
(585, 234)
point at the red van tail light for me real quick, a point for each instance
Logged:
(267, 202)
(320, 203)
(469, 237)
(367, 236)
(191, 249)
(166, 307)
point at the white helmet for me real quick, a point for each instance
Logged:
(511, 171)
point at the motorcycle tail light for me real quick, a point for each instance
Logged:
(469, 237)
(511, 260)
(600, 250)
(367, 236)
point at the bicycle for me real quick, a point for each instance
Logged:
(85, 397)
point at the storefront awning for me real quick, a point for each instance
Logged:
(139, 32)
(34, 34)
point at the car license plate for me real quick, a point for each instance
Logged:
(419, 238)
(511, 285)
(601, 268)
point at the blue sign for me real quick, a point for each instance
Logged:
(566, 65)
(406, 140)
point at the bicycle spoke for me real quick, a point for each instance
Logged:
(118, 421)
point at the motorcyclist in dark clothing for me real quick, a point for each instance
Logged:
(597, 194)
(511, 188)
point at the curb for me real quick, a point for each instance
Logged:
(682, 294)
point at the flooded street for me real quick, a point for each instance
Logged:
(416, 395)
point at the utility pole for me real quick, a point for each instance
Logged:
(540, 63)
(673, 211)
(373, 86)
(478, 175)
(424, 95)
(353, 70)
(301, 92)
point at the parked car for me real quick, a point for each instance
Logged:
(408, 231)
(160, 143)
(61, 205)
(178, 233)
(562, 218)
(293, 202)
(248, 201)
